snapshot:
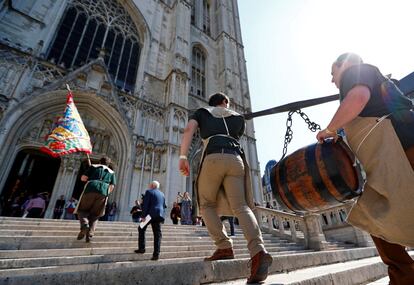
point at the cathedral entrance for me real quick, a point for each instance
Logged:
(33, 172)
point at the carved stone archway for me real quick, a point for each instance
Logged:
(29, 118)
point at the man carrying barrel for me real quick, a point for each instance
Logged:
(224, 170)
(378, 121)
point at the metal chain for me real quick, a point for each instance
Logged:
(289, 133)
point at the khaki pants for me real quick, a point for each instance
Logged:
(227, 170)
(90, 209)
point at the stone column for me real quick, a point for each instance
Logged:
(281, 227)
(293, 230)
(314, 236)
(65, 181)
(329, 219)
(363, 238)
(269, 223)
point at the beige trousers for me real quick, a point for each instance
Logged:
(227, 170)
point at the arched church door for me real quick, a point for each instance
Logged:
(32, 172)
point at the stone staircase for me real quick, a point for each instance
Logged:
(42, 251)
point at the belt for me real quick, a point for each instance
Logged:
(223, 150)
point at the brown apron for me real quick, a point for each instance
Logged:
(386, 207)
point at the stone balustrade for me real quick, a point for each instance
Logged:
(281, 224)
(313, 229)
(335, 216)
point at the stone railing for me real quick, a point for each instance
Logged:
(335, 226)
(312, 229)
(281, 224)
(335, 216)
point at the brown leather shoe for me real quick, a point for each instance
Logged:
(226, 253)
(260, 264)
(82, 233)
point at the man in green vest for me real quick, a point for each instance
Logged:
(100, 181)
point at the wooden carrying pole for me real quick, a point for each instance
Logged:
(89, 159)
(292, 106)
(406, 85)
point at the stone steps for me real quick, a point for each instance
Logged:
(171, 270)
(382, 281)
(344, 273)
(41, 251)
(12, 263)
(352, 272)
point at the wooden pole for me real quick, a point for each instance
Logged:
(406, 84)
(292, 106)
(89, 159)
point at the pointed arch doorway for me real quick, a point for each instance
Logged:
(33, 172)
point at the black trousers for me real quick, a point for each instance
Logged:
(231, 222)
(156, 229)
(35, 213)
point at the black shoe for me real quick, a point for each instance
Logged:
(139, 251)
(88, 236)
(155, 257)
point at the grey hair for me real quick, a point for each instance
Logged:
(154, 184)
(349, 57)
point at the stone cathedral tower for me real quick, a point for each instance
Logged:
(137, 68)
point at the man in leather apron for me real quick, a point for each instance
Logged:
(223, 184)
(379, 125)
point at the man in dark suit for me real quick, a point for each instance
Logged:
(153, 205)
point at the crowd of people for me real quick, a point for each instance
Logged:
(34, 206)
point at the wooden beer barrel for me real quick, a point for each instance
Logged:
(316, 177)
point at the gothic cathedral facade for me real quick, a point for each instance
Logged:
(137, 69)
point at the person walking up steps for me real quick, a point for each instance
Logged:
(100, 183)
(153, 205)
(224, 168)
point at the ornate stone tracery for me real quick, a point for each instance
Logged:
(149, 154)
(151, 110)
(111, 13)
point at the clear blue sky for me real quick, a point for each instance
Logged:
(290, 45)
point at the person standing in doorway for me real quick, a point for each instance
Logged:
(36, 207)
(100, 182)
(224, 168)
(112, 212)
(59, 207)
(378, 120)
(154, 206)
(70, 207)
